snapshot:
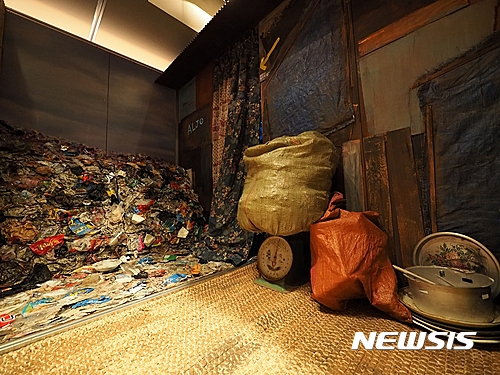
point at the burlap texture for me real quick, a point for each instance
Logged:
(288, 183)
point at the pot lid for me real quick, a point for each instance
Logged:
(455, 250)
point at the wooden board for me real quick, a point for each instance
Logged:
(351, 161)
(409, 23)
(377, 184)
(419, 144)
(187, 98)
(405, 198)
(195, 130)
(487, 47)
(199, 161)
(373, 15)
(205, 86)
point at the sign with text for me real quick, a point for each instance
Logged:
(195, 129)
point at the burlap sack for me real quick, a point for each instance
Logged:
(349, 257)
(288, 183)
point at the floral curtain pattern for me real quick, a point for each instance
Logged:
(220, 108)
(237, 88)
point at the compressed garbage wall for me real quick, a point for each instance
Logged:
(64, 205)
(66, 87)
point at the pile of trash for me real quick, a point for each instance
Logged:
(105, 285)
(66, 205)
(68, 209)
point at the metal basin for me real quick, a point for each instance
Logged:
(456, 295)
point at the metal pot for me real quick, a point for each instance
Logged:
(455, 294)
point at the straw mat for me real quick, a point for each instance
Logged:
(230, 325)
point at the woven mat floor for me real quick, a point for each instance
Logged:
(230, 325)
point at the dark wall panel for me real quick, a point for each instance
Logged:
(65, 87)
(200, 161)
(141, 113)
(53, 83)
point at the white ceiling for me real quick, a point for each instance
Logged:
(152, 32)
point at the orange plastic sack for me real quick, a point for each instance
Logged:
(350, 260)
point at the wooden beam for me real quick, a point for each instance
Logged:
(410, 23)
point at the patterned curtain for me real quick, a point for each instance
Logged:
(220, 108)
(236, 122)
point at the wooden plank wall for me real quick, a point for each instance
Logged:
(395, 155)
(199, 160)
(393, 191)
(195, 130)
